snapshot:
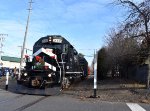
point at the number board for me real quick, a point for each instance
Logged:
(57, 40)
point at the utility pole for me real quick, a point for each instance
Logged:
(25, 36)
(2, 38)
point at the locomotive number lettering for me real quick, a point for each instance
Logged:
(57, 40)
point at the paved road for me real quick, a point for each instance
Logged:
(18, 102)
(10, 101)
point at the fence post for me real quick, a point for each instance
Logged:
(7, 79)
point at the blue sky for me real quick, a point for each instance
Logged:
(82, 22)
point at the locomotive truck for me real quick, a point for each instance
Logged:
(55, 62)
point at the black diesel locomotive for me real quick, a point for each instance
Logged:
(55, 62)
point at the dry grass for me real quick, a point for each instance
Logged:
(133, 85)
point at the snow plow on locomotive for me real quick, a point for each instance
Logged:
(55, 62)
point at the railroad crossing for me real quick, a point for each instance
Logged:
(72, 99)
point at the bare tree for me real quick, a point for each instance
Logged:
(138, 22)
(138, 18)
(121, 49)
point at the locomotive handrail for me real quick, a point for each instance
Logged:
(59, 68)
(42, 83)
(63, 67)
(62, 62)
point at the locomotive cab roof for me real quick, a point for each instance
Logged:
(53, 39)
(49, 38)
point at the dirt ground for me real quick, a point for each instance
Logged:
(113, 90)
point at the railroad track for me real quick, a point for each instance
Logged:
(30, 104)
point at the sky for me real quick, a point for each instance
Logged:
(84, 23)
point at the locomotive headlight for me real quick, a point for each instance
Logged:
(25, 74)
(49, 75)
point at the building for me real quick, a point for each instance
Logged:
(10, 62)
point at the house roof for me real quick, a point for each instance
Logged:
(11, 59)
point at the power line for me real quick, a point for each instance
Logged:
(27, 49)
(3, 34)
(88, 55)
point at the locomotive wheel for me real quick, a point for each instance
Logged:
(43, 85)
(66, 83)
(72, 80)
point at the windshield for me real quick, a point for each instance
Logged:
(49, 46)
(53, 46)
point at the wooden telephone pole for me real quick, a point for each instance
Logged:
(25, 36)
